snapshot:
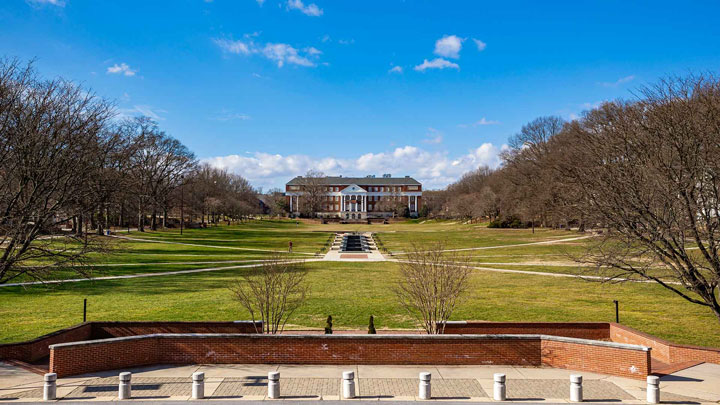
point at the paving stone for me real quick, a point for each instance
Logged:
(289, 387)
(537, 389)
(142, 387)
(408, 387)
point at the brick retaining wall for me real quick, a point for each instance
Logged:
(33, 350)
(36, 349)
(525, 350)
(663, 350)
(580, 330)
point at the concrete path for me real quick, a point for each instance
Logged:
(207, 246)
(700, 384)
(142, 275)
(545, 242)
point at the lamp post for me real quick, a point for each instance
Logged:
(182, 192)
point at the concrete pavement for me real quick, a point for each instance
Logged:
(247, 382)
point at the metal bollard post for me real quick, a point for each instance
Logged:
(425, 392)
(274, 385)
(50, 387)
(348, 384)
(499, 387)
(198, 385)
(125, 387)
(653, 389)
(576, 390)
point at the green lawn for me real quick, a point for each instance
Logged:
(350, 292)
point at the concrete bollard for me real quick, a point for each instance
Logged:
(348, 384)
(274, 385)
(50, 387)
(198, 385)
(125, 387)
(425, 392)
(576, 390)
(499, 387)
(653, 389)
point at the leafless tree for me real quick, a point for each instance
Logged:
(157, 166)
(274, 292)
(432, 282)
(313, 189)
(47, 129)
(649, 172)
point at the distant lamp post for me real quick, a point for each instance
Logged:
(617, 311)
(182, 192)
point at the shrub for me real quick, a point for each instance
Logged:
(328, 325)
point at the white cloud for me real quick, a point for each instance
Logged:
(480, 44)
(449, 46)
(619, 81)
(396, 69)
(437, 63)
(226, 115)
(433, 169)
(260, 2)
(122, 69)
(311, 9)
(236, 47)
(282, 53)
(481, 122)
(59, 3)
(433, 136)
(312, 51)
(141, 110)
(278, 53)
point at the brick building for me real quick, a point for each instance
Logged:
(355, 197)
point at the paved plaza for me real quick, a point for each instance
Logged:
(699, 384)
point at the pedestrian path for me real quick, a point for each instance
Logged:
(545, 242)
(697, 385)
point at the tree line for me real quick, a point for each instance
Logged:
(70, 166)
(644, 173)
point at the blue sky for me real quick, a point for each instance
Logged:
(432, 89)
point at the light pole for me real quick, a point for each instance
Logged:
(182, 192)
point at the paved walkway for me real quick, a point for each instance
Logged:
(545, 242)
(207, 246)
(155, 274)
(700, 384)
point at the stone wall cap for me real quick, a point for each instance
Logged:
(358, 336)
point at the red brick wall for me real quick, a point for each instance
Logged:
(110, 354)
(596, 359)
(338, 349)
(33, 350)
(36, 349)
(580, 330)
(318, 349)
(104, 330)
(665, 351)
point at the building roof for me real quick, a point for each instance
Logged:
(361, 181)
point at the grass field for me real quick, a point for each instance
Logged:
(351, 292)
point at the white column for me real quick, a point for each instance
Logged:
(291, 198)
(408, 203)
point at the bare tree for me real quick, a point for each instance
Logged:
(274, 292)
(649, 172)
(48, 130)
(313, 188)
(432, 282)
